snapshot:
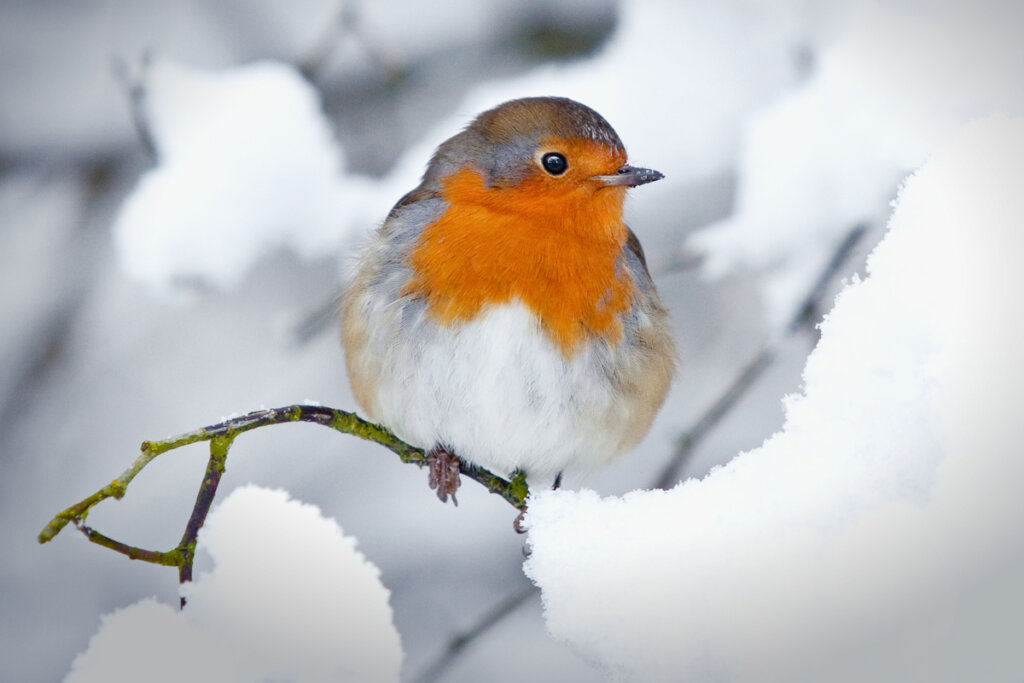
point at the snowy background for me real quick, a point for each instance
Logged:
(181, 186)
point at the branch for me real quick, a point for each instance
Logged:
(221, 436)
(490, 619)
(806, 315)
(132, 79)
(347, 23)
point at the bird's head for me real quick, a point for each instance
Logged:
(536, 156)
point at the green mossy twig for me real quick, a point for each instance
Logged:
(221, 436)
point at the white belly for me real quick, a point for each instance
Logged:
(498, 393)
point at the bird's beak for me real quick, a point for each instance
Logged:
(630, 177)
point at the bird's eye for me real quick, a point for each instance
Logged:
(554, 163)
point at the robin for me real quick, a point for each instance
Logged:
(503, 313)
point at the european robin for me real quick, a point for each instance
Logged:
(503, 312)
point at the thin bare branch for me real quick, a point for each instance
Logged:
(809, 311)
(170, 559)
(219, 447)
(132, 79)
(806, 316)
(487, 621)
(346, 24)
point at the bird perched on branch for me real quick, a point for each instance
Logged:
(503, 312)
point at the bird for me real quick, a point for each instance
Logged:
(503, 313)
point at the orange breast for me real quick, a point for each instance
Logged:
(552, 246)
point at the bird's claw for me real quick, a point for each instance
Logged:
(517, 523)
(443, 466)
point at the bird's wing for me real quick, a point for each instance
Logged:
(633, 244)
(419, 194)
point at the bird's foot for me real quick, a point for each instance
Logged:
(443, 466)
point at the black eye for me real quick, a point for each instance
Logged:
(554, 163)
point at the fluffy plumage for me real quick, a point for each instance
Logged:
(506, 313)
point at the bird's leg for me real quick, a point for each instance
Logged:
(443, 466)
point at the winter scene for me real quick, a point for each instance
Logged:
(717, 303)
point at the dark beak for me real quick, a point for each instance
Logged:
(630, 177)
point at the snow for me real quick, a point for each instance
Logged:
(878, 535)
(290, 598)
(658, 42)
(889, 86)
(65, 55)
(222, 139)
(689, 46)
(226, 138)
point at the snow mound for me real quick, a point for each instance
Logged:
(290, 598)
(246, 163)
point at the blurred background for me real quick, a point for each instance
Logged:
(784, 129)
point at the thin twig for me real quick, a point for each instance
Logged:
(133, 81)
(809, 311)
(221, 436)
(490, 619)
(347, 24)
(171, 559)
(805, 316)
(316, 57)
(219, 447)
